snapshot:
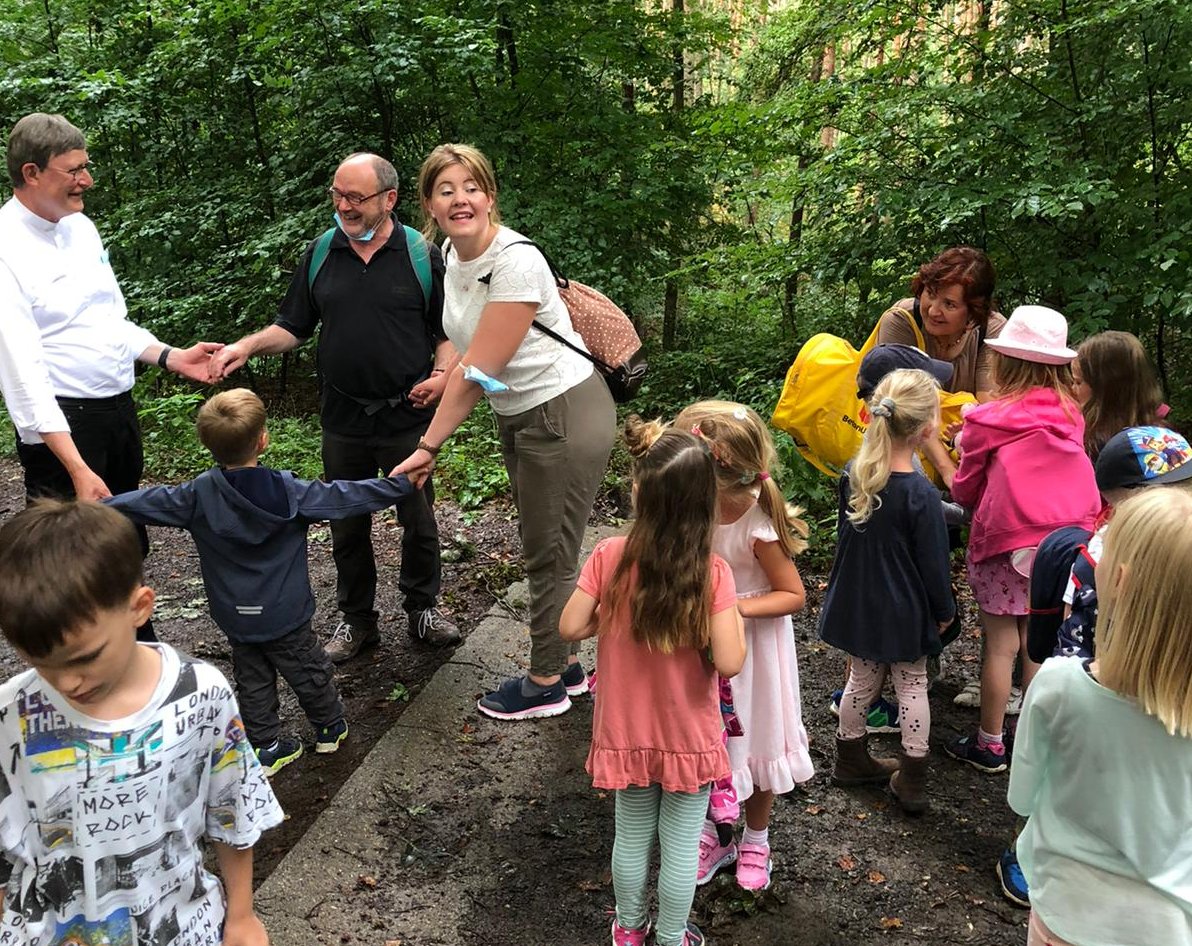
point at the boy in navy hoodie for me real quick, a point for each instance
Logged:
(249, 524)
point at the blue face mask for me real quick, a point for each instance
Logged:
(363, 238)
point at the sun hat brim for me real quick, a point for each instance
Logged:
(1044, 356)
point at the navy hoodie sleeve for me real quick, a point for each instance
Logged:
(341, 499)
(158, 505)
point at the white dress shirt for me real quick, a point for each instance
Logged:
(64, 330)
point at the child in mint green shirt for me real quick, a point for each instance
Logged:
(1103, 758)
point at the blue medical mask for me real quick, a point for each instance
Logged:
(363, 238)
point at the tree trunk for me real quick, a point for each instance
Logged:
(670, 315)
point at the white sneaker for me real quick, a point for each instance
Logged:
(970, 695)
(1014, 704)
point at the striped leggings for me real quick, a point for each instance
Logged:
(676, 819)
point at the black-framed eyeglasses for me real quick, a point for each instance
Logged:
(354, 200)
(76, 173)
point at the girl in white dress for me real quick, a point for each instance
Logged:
(757, 535)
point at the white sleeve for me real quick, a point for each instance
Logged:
(24, 378)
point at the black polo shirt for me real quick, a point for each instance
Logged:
(376, 339)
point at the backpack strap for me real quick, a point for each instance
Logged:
(416, 245)
(419, 251)
(318, 257)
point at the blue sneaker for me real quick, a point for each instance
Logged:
(965, 749)
(575, 680)
(510, 701)
(1009, 874)
(882, 715)
(281, 753)
(329, 737)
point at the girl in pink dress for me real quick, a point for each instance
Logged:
(664, 610)
(757, 535)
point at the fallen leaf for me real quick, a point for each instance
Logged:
(468, 728)
(815, 809)
(890, 923)
(366, 880)
(845, 862)
(588, 886)
(392, 942)
(962, 869)
(876, 877)
(861, 815)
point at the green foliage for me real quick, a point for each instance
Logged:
(172, 449)
(470, 468)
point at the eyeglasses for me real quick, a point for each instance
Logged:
(76, 173)
(354, 200)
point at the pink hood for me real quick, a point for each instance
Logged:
(1024, 472)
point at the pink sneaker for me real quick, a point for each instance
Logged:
(753, 866)
(712, 857)
(723, 807)
(626, 937)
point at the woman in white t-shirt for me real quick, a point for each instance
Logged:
(555, 414)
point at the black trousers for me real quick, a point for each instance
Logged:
(305, 666)
(108, 438)
(357, 458)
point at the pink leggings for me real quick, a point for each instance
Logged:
(1037, 934)
(910, 684)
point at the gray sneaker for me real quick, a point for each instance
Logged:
(432, 628)
(347, 640)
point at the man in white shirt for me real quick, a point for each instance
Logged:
(67, 349)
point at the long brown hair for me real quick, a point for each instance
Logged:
(1125, 390)
(670, 542)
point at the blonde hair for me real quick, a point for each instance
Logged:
(230, 425)
(745, 456)
(1144, 644)
(670, 541)
(1014, 377)
(1123, 386)
(443, 157)
(904, 403)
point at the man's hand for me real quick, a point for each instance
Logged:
(245, 931)
(417, 466)
(226, 360)
(425, 393)
(88, 486)
(194, 362)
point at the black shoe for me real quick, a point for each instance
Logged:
(281, 753)
(575, 680)
(329, 737)
(509, 702)
(432, 628)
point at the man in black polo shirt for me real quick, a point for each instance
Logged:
(384, 360)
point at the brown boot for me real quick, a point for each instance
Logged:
(855, 766)
(909, 784)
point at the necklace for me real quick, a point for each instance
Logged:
(952, 345)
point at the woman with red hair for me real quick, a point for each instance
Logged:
(953, 303)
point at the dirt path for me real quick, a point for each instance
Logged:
(849, 867)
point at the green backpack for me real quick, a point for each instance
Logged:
(419, 258)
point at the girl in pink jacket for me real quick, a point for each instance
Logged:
(1023, 472)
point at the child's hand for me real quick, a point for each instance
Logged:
(245, 931)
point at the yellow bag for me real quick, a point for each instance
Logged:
(819, 406)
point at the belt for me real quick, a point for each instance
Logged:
(96, 403)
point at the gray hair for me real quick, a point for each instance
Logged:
(38, 137)
(386, 172)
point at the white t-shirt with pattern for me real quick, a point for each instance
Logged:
(104, 820)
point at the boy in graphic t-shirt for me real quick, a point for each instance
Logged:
(122, 760)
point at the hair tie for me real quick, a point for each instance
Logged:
(884, 407)
(763, 475)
